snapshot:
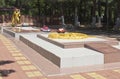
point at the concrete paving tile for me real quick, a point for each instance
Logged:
(34, 74)
(30, 67)
(20, 62)
(20, 58)
(86, 76)
(114, 74)
(60, 77)
(37, 73)
(27, 62)
(23, 62)
(25, 68)
(17, 54)
(30, 74)
(9, 45)
(109, 74)
(12, 48)
(116, 71)
(6, 42)
(43, 78)
(95, 75)
(13, 51)
(77, 76)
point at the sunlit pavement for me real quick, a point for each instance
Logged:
(15, 65)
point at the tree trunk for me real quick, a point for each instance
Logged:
(106, 14)
(62, 15)
(94, 14)
(117, 26)
(76, 16)
(99, 14)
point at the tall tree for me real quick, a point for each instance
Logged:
(99, 13)
(76, 3)
(2, 3)
(117, 26)
(94, 13)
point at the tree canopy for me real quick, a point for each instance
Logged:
(84, 10)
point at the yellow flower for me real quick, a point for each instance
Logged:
(68, 36)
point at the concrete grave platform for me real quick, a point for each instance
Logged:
(28, 29)
(24, 30)
(111, 53)
(67, 43)
(55, 49)
(64, 58)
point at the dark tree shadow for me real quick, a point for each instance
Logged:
(3, 62)
(5, 73)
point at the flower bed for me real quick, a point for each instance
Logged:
(68, 35)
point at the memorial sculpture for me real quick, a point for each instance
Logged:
(16, 19)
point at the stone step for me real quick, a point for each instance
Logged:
(76, 43)
(63, 58)
(111, 54)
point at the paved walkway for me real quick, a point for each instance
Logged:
(15, 65)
